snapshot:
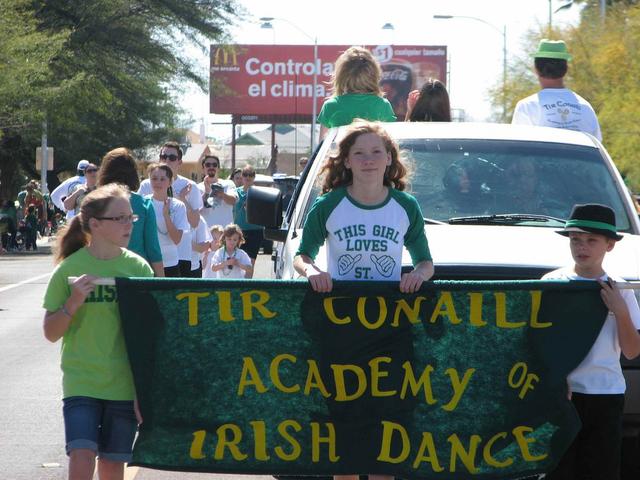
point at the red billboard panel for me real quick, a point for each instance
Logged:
(278, 79)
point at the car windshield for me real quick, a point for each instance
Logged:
(507, 182)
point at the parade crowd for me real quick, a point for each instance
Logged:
(167, 225)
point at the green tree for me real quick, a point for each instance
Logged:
(107, 78)
(604, 70)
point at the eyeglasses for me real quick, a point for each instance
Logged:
(171, 158)
(121, 219)
(248, 175)
(211, 165)
(91, 170)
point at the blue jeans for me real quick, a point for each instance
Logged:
(108, 427)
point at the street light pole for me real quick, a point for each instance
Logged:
(267, 24)
(502, 32)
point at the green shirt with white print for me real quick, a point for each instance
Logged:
(94, 358)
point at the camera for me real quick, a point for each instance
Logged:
(215, 188)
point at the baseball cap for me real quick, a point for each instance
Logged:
(552, 49)
(82, 164)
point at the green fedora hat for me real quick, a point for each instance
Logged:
(552, 49)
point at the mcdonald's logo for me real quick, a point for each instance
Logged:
(225, 53)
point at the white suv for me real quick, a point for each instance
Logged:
(492, 196)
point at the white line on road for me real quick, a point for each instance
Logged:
(29, 280)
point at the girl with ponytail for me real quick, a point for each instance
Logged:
(98, 391)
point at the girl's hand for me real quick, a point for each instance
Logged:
(320, 281)
(184, 193)
(165, 208)
(612, 298)
(136, 409)
(412, 99)
(232, 261)
(411, 282)
(80, 290)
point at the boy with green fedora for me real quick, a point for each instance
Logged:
(555, 105)
(597, 386)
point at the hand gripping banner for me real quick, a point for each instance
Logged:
(462, 379)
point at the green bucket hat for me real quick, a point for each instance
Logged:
(552, 49)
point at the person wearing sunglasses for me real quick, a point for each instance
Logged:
(73, 201)
(218, 195)
(188, 193)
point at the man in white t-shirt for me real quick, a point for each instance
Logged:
(186, 191)
(218, 195)
(67, 187)
(555, 105)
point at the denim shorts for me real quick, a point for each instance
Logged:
(108, 427)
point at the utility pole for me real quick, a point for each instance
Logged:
(45, 160)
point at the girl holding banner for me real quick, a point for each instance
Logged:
(366, 219)
(98, 390)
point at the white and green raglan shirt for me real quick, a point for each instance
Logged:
(364, 242)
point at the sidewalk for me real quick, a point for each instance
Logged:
(44, 244)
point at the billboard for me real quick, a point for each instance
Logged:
(273, 80)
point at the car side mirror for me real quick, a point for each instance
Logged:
(264, 206)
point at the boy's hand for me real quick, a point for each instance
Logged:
(612, 298)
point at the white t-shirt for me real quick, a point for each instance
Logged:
(178, 215)
(200, 234)
(216, 211)
(559, 108)
(220, 255)
(600, 371)
(195, 202)
(365, 242)
(65, 189)
(207, 262)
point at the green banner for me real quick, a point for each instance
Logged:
(464, 379)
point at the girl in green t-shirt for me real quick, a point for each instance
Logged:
(98, 391)
(356, 92)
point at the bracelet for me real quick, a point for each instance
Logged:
(65, 311)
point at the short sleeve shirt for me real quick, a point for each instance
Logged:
(94, 358)
(216, 211)
(220, 256)
(200, 234)
(600, 371)
(342, 110)
(178, 215)
(558, 108)
(365, 242)
(195, 202)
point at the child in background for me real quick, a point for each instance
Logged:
(356, 92)
(597, 385)
(230, 261)
(31, 228)
(98, 390)
(216, 232)
(171, 217)
(429, 104)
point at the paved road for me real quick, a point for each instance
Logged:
(31, 428)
